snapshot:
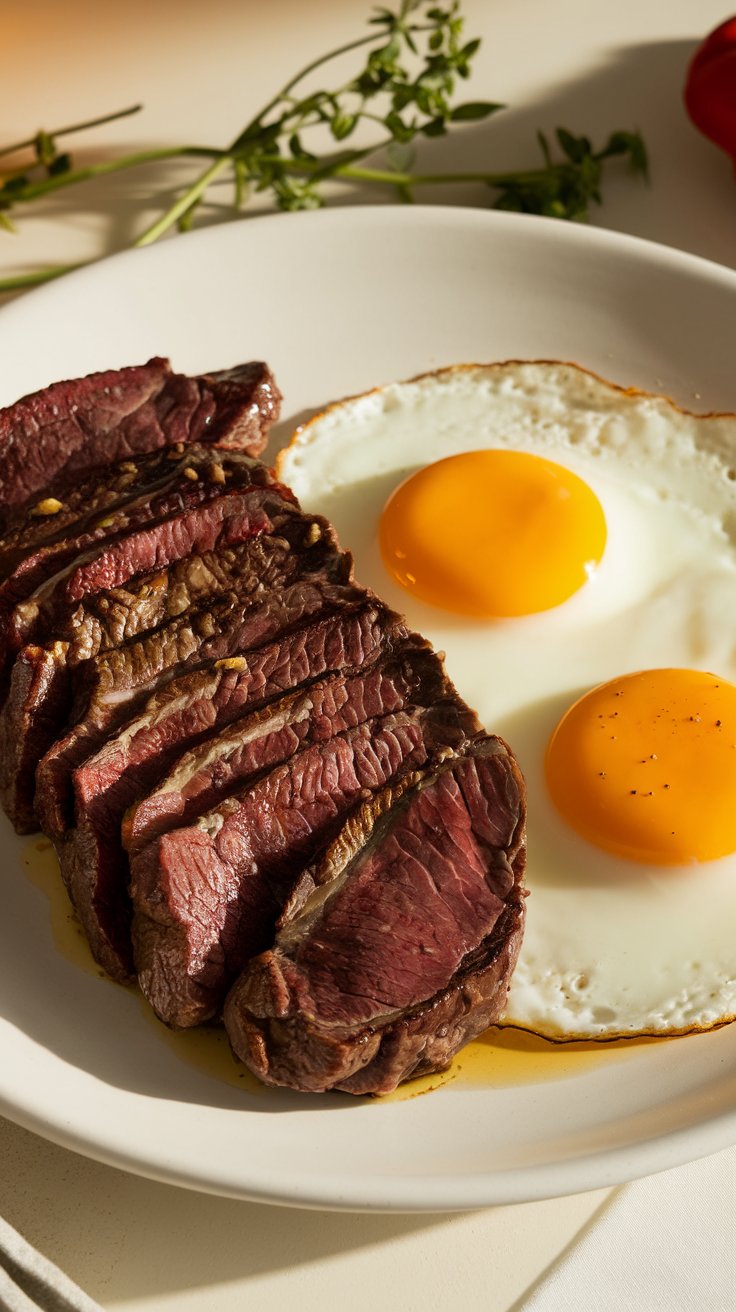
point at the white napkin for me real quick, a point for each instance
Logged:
(29, 1282)
(663, 1244)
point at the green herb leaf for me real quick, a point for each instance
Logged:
(566, 188)
(474, 110)
(342, 125)
(631, 145)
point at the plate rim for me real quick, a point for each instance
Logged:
(389, 213)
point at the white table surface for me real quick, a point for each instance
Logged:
(200, 70)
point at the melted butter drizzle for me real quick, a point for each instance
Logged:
(498, 1059)
(41, 866)
(205, 1049)
(503, 1057)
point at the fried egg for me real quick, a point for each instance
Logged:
(571, 547)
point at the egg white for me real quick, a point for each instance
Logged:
(611, 947)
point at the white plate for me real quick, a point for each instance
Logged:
(336, 302)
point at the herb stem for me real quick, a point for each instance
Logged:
(286, 90)
(391, 178)
(73, 127)
(59, 180)
(198, 188)
(193, 194)
(185, 201)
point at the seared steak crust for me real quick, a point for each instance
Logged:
(90, 499)
(38, 592)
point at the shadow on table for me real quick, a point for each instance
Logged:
(689, 202)
(172, 1239)
(520, 1304)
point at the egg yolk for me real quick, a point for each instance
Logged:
(645, 766)
(492, 533)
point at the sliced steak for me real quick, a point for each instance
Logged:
(108, 501)
(206, 897)
(36, 596)
(246, 403)
(30, 559)
(230, 517)
(98, 494)
(398, 946)
(206, 774)
(188, 710)
(36, 708)
(101, 621)
(261, 787)
(107, 619)
(114, 686)
(54, 435)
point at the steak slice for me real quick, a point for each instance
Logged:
(90, 499)
(38, 702)
(36, 595)
(43, 679)
(203, 776)
(54, 435)
(398, 946)
(234, 515)
(105, 620)
(102, 620)
(107, 501)
(206, 897)
(30, 560)
(188, 710)
(114, 685)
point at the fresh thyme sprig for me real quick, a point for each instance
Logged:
(404, 90)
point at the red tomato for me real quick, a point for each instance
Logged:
(710, 87)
